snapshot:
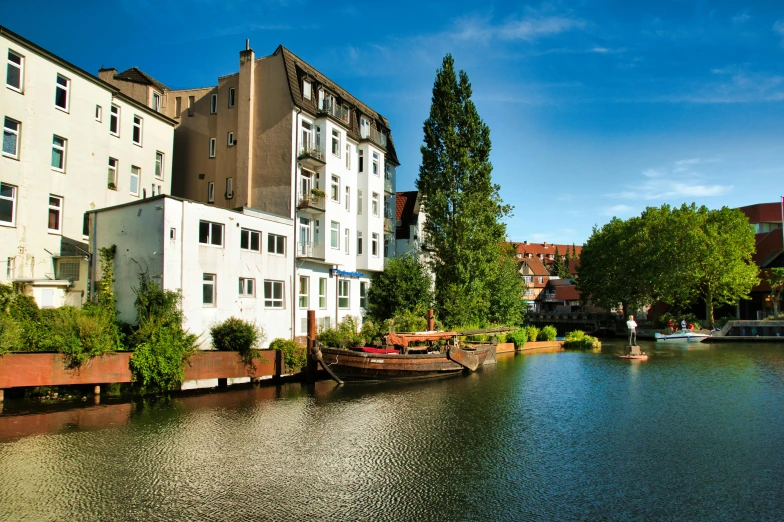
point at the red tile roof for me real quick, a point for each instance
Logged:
(546, 248)
(567, 293)
(405, 207)
(536, 266)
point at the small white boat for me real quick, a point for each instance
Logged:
(680, 337)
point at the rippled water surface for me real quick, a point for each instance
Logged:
(691, 434)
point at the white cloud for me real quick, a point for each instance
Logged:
(528, 28)
(678, 182)
(741, 17)
(778, 27)
(617, 210)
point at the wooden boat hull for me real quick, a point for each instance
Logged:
(352, 365)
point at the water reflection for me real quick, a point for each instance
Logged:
(688, 434)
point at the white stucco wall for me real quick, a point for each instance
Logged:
(162, 235)
(83, 184)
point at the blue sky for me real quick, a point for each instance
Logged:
(596, 108)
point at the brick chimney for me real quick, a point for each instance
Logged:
(245, 117)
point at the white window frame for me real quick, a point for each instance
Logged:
(278, 244)
(12, 199)
(336, 142)
(348, 199)
(213, 103)
(374, 245)
(15, 132)
(210, 280)
(112, 174)
(303, 293)
(231, 97)
(137, 125)
(156, 101)
(159, 164)
(334, 235)
(348, 156)
(67, 88)
(136, 172)
(247, 287)
(98, 113)
(322, 293)
(375, 164)
(58, 207)
(346, 240)
(114, 114)
(363, 288)
(229, 139)
(63, 152)
(359, 243)
(212, 147)
(344, 294)
(249, 233)
(20, 66)
(211, 227)
(307, 89)
(270, 301)
(334, 188)
(211, 192)
(361, 160)
(229, 188)
(359, 201)
(375, 204)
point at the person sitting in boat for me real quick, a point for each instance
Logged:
(632, 326)
(683, 324)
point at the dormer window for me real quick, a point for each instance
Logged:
(307, 90)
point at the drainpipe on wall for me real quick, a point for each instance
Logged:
(295, 304)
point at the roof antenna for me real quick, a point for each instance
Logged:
(247, 44)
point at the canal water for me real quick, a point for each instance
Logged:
(694, 433)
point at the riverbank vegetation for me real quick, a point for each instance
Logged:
(579, 340)
(676, 255)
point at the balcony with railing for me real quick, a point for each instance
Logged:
(389, 225)
(312, 154)
(388, 188)
(333, 110)
(314, 202)
(311, 251)
(374, 136)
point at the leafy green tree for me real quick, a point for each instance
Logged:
(556, 267)
(677, 255)
(507, 291)
(775, 278)
(404, 285)
(610, 271)
(464, 208)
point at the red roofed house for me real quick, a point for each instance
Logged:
(545, 252)
(535, 276)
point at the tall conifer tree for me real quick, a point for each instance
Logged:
(463, 207)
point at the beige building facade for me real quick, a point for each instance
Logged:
(280, 137)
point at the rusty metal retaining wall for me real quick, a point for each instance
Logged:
(51, 369)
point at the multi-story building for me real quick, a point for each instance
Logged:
(71, 143)
(766, 220)
(545, 252)
(226, 262)
(280, 137)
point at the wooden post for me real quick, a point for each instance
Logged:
(278, 365)
(310, 367)
(431, 320)
(2, 395)
(97, 389)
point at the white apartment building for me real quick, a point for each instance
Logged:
(281, 137)
(71, 143)
(226, 262)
